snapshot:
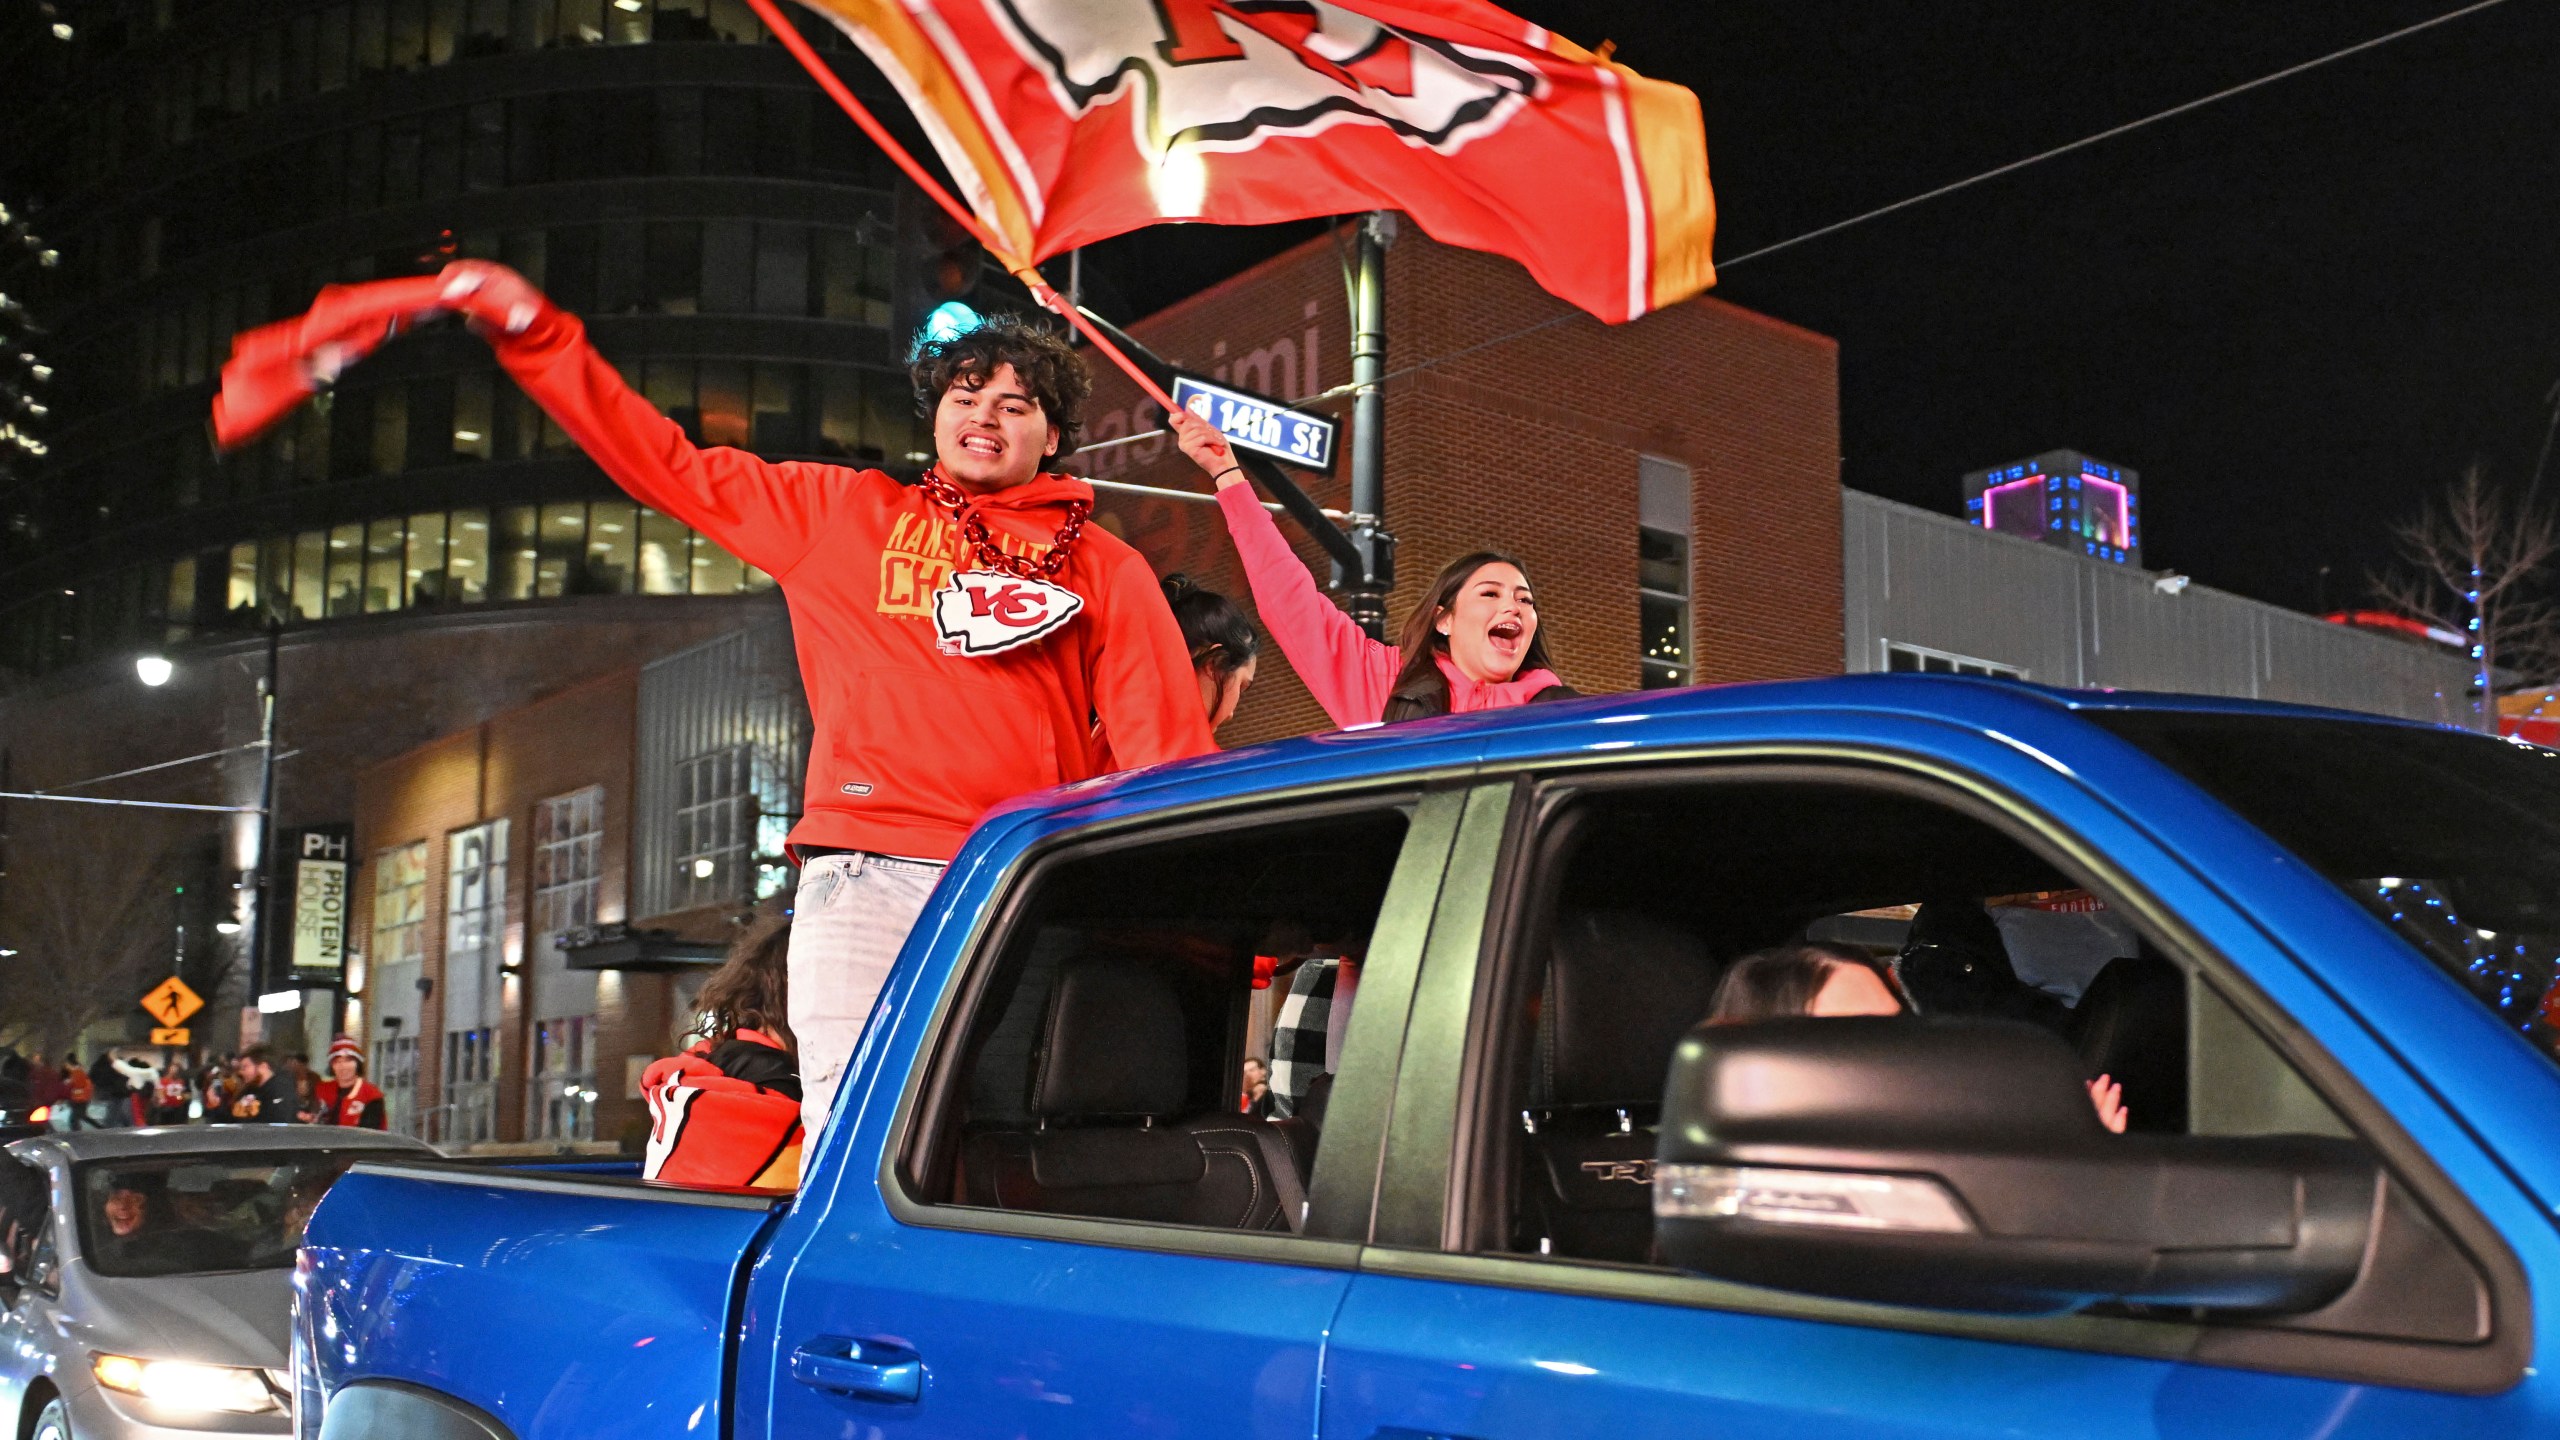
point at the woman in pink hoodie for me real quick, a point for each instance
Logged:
(1471, 644)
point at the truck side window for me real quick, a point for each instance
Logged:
(1101, 1059)
(1647, 894)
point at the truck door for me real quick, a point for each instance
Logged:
(1516, 1290)
(1054, 1207)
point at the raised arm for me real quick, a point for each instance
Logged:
(1348, 673)
(766, 514)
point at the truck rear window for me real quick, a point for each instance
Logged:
(2452, 839)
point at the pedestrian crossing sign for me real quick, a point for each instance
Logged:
(172, 1001)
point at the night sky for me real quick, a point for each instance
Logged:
(2295, 312)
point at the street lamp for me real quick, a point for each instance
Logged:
(155, 670)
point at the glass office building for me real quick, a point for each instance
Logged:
(660, 167)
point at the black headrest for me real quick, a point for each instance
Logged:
(1113, 1045)
(1955, 963)
(1622, 989)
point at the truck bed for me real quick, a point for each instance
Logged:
(556, 1304)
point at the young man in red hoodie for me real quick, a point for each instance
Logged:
(959, 639)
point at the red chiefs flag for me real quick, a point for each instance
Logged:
(1070, 121)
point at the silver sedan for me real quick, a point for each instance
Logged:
(160, 1297)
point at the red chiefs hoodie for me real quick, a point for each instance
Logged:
(912, 745)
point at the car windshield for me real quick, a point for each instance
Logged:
(2452, 839)
(182, 1215)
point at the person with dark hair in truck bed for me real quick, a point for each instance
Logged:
(726, 1110)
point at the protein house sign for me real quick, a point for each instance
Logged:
(320, 889)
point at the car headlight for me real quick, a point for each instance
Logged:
(185, 1385)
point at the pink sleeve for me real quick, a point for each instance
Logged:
(1348, 673)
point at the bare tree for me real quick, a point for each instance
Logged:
(91, 916)
(2472, 562)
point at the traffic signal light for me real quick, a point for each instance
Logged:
(950, 262)
(939, 265)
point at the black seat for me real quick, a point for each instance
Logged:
(2132, 1024)
(1111, 1074)
(1621, 990)
(1955, 963)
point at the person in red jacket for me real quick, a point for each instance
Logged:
(959, 639)
(727, 1110)
(346, 1097)
(1471, 643)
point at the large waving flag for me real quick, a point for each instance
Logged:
(1069, 121)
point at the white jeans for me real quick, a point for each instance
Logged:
(851, 915)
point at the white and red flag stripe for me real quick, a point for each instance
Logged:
(1065, 122)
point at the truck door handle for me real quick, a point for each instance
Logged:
(864, 1369)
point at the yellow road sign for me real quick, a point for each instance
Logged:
(171, 1002)
(173, 1035)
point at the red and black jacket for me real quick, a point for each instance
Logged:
(725, 1114)
(360, 1106)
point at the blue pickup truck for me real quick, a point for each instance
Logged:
(1524, 1194)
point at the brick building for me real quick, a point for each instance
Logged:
(648, 801)
(1593, 452)
(477, 847)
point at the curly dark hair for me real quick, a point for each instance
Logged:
(1040, 355)
(750, 990)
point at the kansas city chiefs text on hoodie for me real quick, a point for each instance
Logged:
(912, 744)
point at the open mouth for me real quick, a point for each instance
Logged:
(1503, 632)
(982, 444)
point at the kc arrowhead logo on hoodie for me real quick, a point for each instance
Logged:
(982, 612)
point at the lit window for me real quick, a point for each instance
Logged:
(568, 847)
(1921, 660)
(560, 1104)
(474, 939)
(1662, 571)
(400, 905)
(395, 1072)
(715, 826)
(568, 853)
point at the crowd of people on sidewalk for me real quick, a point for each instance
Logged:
(259, 1084)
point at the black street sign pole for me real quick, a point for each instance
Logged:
(1300, 505)
(254, 934)
(1369, 580)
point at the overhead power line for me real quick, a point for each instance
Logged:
(1924, 197)
(2126, 128)
(163, 765)
(128, 804)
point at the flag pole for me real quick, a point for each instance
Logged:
(1041, 292)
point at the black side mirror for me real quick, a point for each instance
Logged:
(1959, 1164)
